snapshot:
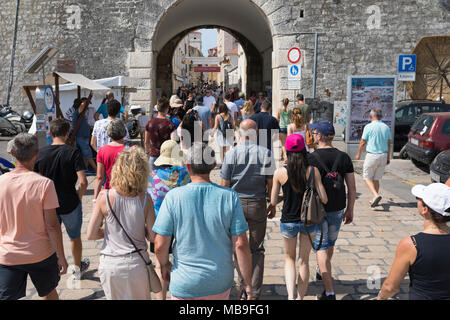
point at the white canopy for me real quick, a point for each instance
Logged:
(82, 81)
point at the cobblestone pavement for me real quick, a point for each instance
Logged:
(364, 252)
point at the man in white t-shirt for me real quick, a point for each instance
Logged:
(143, 119)
(231, 106)
(209, 101)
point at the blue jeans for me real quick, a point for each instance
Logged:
(72, 221)
(330, 228)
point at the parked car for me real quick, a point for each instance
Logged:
(440, 167)
(429, 136)
(407, 113)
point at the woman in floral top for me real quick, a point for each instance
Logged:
(169, 174)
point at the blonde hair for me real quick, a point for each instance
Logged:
(248, 107)
(297, 118)
(285, 102)
(130, 172)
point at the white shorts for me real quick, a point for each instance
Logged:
(374, 166)
(124, 278)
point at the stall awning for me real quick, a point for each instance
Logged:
(82, 81)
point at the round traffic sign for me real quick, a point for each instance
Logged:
(294, 55)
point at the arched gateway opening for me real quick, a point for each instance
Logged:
(241, 18)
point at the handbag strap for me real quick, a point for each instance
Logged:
(129, 238)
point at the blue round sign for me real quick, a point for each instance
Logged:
(294, 70)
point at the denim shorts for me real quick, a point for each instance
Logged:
(44, 275)
(291, 229)
(283, 130)
(330, 228)
(72, 221)
(85, 147)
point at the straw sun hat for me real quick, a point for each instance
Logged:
(170, 155)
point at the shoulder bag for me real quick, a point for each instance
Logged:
(312, 211)
(153, 279)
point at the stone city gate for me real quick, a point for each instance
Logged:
(136, 38)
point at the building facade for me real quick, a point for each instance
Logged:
(138, 38)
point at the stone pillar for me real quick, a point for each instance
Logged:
(140, 65)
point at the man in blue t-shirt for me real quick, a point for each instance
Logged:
(102, 109)
(208, 224)
(377, 140)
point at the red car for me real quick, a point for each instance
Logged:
(429, 135)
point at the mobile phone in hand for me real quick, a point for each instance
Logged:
(243, 294)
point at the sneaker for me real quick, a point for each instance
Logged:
(79, 272)
(318, 275)
(323, 296)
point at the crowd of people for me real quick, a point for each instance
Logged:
(161, 192)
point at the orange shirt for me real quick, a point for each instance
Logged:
(23, 234)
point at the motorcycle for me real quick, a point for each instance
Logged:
(7, 128)
(5, 166)
(132, 125)
(21, 122)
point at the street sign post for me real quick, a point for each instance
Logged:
(294, 77)
(294, 55)
(407, 67)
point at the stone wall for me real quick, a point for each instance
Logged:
(115, 38)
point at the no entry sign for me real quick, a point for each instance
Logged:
(294, 55)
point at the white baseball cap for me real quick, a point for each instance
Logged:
(436, 196)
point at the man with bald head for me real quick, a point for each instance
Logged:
(248, 169)
(102, 109)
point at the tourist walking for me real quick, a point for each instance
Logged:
(377, 139)
(248, 170)
(210, 102)
(29, 229)
(107, 155)
(191, 129)
(424, 255)
(248, 110)
(268, 126)
(100, 136)
(203, 112)
(207, 223)
(231, 106)
(284, 119)
(84, 132)
(157, 131)
(189, 103)
(305, 108)
(298, 125)
(103, 108)
(143, 119)
(170, 173)
(335, 168)
(64, 166)
(122, 270)
(293, 179)
(223, 130)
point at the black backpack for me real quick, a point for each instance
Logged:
(224, 126)
(332, 178)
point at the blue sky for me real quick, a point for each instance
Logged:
(209, 40)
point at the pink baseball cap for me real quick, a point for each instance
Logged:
(295, 143)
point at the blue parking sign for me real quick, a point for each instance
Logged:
(407, 63)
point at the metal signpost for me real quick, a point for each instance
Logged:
(406, 69)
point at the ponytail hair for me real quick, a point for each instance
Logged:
(297, 118)
(285, 102)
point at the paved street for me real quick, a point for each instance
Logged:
(364, 252)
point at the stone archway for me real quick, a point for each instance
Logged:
(244, 19)
(255, 73)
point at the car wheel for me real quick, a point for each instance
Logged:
(403, 154)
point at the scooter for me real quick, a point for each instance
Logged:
(132, 125)
(22, 122)
(7, 128)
